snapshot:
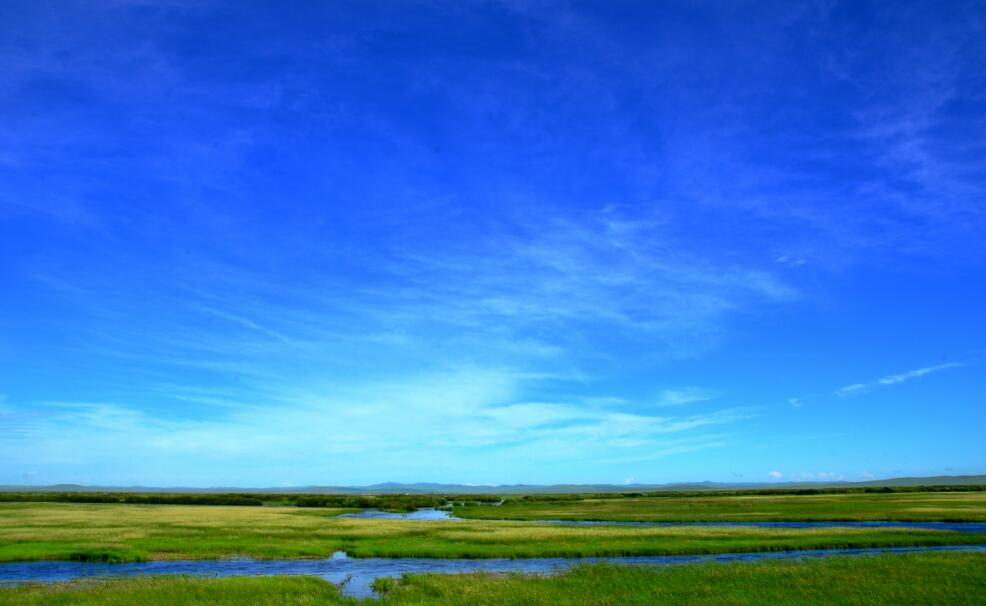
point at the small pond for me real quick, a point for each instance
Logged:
(425, 513)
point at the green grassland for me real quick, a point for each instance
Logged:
(940, 578)
(903, 506)
(117, 532)
(390, 502)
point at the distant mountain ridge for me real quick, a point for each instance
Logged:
(437, 488)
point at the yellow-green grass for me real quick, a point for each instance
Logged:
(927, 506)
(136, 532)
(940, 578)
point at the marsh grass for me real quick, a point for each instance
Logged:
(889, 579)
(138, 532)
(903, 506)
(940, 578)
(394, 502)
(177, 591)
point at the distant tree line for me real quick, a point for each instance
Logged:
(385, 502)
(410, 502)
(134, 498)
(395, 502)
(750, 492)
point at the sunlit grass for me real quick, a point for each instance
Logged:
(135, 532)
(933, 506)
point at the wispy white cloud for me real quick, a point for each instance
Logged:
(689, 395)
(404, 430)
(859, 388)
(547, 229)
(554, 299)
(790, 261)
(913, 374)
(855, 388)
(246, 322)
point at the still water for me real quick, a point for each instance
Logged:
(355, 575)
(425, 513)
(442, 514)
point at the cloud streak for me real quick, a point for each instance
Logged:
(684, 397)
(399, 431)
(861, 388)
(507, 239)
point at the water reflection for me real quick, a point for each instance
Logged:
(418, 514)
(956, 526)
(444, 514)
(356, 575)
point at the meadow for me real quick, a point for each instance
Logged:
(124, 532)
(860, 506)
(389, 502)
(940, 578)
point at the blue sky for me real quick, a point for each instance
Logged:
(268, 243)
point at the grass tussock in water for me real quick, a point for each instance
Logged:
(941, 578)
(862, 506)
(130, 533)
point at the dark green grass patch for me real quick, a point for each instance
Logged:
(179, 591)
(890, 579)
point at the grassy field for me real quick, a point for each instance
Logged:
(33, 531)
(942, 578)
(932, 506)
(178, 591)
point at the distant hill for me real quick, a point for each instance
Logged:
(512, 489)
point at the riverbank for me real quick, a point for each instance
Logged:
(911, 507)
(357, 576)
(119, 533)
(927, 578)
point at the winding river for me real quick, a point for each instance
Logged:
(442, 514)
(355, 575)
